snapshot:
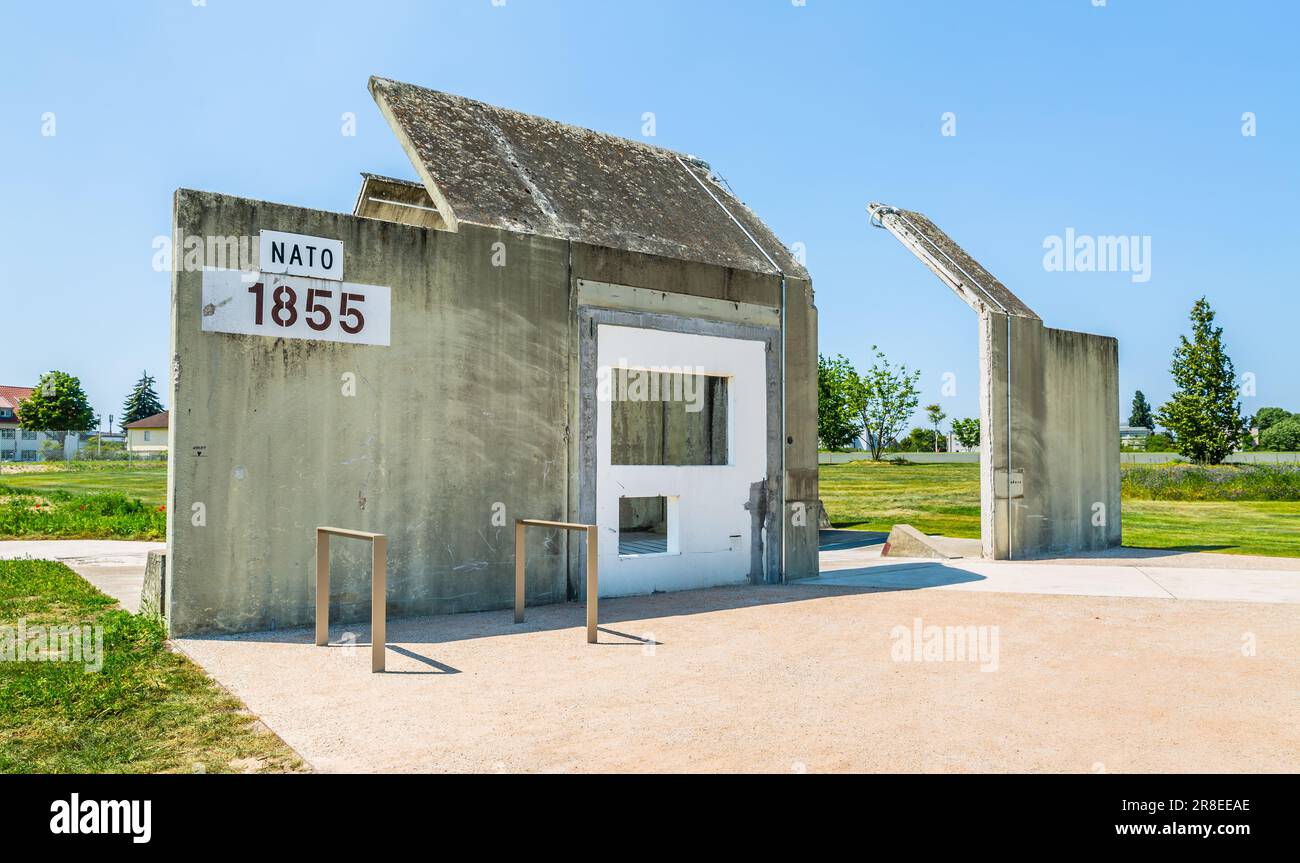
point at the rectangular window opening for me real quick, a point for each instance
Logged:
(668, 418)
(645, 525)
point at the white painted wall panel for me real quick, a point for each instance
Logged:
(713, 526)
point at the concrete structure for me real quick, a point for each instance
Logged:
(906, 541)
(532, 265)
(147, 436)
(153, 589)
(20, 444)
(1049, 411)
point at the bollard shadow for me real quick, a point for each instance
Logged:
(621, 617)
(631, 640)
(442, 667)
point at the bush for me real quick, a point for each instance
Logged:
(921, 440)
(64, 515)
(1281, 436)
(1222, 482)
(1160, 442)
(97, 450)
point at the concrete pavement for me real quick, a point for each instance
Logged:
(788, 680)
(1119, 572)
(117, 568)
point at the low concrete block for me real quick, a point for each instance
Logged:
(906, 541)
(155, 577)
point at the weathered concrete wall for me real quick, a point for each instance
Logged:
(802, 498)
(464, 410)
(474, 404)
(1081, 505)
(1061, 492)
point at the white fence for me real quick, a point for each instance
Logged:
(1235, 458)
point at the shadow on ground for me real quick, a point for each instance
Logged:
(838, 540)
(441, 628)
(435, 629)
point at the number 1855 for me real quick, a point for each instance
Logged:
(284, 308)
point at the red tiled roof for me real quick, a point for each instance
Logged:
(11, 396)
(157, 421)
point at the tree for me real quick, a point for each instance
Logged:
(1140, 416)
(58, 405)
(936, 416)
(1281, 436)
(967, 432)
(142, 402)
(1203, 412)
(1265, 417)
(923, 440)
(883, 399)
(836, 380)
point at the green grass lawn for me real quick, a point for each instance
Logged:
(933, 498)
(112, 500)
(944, 498)
(146, 710)
(144, 480)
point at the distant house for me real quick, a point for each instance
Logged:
(148, 435)
(16, 442)
(1133, 436)
(955, 445)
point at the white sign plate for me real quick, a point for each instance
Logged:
(301, 255)
(292, 307)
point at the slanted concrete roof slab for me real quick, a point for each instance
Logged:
(949, 261)
(500, 168)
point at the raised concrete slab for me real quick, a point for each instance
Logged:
(906, 541)
(114, 566)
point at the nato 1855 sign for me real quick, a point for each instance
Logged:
(295, 307)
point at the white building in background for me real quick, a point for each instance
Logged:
(147, 436)
(18, 443)
(1133, 436)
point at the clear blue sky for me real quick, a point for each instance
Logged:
(1122, 119)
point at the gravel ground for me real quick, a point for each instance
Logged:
(791, 679)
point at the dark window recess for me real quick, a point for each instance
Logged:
(642, 525)
(668, 418)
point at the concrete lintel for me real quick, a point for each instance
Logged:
(634, 299)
